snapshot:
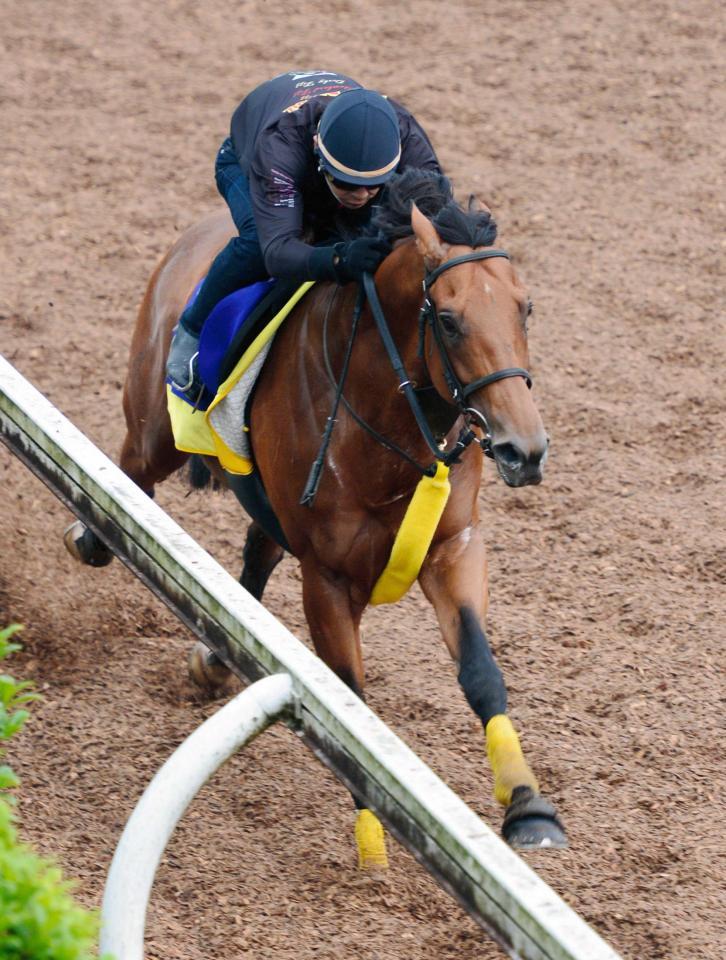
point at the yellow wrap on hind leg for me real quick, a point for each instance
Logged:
(371, 842)
(508, 765)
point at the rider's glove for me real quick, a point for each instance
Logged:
(355, 257)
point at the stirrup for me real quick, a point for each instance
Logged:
(191, 381)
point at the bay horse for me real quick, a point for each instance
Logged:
(468, 354)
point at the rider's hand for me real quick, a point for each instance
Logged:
(356, 257)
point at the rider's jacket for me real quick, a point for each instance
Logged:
(272, 134)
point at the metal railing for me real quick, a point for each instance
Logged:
(466, 857)
(145, 836)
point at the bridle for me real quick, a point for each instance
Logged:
(459, 392)
(429, 315)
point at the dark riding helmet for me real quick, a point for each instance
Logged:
(359, 141)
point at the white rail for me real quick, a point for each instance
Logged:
(470, 861)
(147, 832)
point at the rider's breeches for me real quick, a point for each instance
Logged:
(240, 262)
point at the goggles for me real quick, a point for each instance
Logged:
(350, 187)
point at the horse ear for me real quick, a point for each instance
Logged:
(427, 239)
(477, 206)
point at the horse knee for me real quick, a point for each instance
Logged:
(479, 676)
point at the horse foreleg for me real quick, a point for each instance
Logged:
(334, 621)
(260, 556)
(454, 578)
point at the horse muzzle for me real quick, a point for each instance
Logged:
(517, 466)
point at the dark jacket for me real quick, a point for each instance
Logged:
(272, 134)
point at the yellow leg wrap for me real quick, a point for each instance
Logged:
(509, 767)
(371, 842)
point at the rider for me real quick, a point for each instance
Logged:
(308, 152)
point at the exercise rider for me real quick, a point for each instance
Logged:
(307, 153)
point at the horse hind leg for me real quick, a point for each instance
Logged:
(85, 546)
(453, 579)
(80, 541)
(260, 556)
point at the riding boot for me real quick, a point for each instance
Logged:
(181, 364)
(236, 265)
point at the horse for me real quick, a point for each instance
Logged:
(456, 313)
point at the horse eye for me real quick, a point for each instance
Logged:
(449, 324)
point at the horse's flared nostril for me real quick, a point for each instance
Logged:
(508, 455)
(515, 466)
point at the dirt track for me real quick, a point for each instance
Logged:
(594, 135)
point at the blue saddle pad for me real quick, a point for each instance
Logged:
(221, 326)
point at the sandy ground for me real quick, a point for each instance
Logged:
(593, 131)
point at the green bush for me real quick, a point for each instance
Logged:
(39, 919)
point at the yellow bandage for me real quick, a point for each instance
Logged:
(414, 537)
(371, 842)
(508, 765)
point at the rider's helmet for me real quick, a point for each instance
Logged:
(359, 141)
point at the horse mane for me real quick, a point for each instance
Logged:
(433, 195)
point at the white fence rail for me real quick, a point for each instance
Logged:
(467, 858)
(145, 836)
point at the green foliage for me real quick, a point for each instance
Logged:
(13, 694)
(39, 919)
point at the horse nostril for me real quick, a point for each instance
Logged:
(508, 455)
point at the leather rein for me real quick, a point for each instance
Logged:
(459, 392)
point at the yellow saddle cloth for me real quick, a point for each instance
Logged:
(220, 430)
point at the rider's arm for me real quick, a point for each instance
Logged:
(275, 173)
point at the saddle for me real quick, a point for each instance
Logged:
(235, 341)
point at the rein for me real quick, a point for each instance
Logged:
(459, 392)
(406, 386)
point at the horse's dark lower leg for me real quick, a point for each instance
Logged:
(453, 575)
(530, 820)
(261, 555)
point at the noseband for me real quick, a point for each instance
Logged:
(429, 315)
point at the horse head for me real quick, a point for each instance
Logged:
(476, 338)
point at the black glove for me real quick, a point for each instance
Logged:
(355, 257)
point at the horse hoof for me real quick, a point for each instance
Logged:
(83, 544)
(207, 671)
(531, 822)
